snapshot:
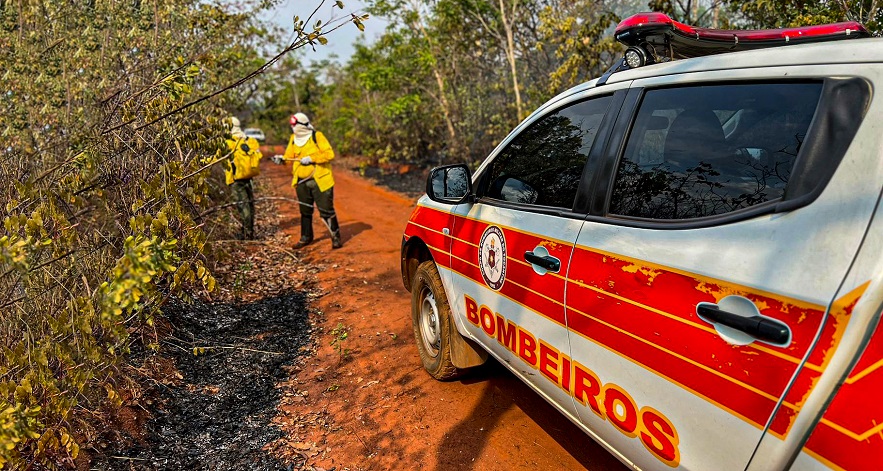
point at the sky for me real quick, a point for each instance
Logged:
(340, 42)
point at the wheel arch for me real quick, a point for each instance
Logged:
(414, 252)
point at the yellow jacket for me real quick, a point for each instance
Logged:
(243, 165)
(321, 153)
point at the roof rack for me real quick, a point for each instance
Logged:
(655, 37)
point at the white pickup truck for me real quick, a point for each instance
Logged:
(684, 255)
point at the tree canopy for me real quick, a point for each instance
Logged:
(448, 79)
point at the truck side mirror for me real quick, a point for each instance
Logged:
(449, 184)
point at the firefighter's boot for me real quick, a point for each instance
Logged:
(336, 242)
(306, 232)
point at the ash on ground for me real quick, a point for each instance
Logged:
(219, 415)
(406, 178)
(212, 407)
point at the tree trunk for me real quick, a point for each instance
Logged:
(510, 53)
(446, 110)
(454, 145)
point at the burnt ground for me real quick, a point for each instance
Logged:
(219, 416)
(406, 179)
(210, 393)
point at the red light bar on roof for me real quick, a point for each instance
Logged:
(633, 27)
(671, 39)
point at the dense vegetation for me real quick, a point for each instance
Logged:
(449, 78)
(109, 180)
(109, 153)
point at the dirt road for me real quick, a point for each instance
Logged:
(364, 402)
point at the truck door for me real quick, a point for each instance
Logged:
(702, 278)
(511, 248)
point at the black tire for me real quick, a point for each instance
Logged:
(431, 318)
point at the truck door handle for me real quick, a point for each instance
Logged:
(548, 262)
(758, 327)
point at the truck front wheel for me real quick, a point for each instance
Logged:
(431, 317)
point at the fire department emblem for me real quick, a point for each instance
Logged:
(492, 257)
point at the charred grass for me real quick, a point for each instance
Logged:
(408, 178)
(208, 396)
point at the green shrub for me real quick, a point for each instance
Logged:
(102, 197)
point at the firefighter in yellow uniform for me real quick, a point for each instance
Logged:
(312, 156)
(242, 166)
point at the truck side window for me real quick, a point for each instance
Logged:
(705, 150)
(542, 165)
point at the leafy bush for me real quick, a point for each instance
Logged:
(103, 197)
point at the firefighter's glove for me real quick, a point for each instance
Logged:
(306, 160)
